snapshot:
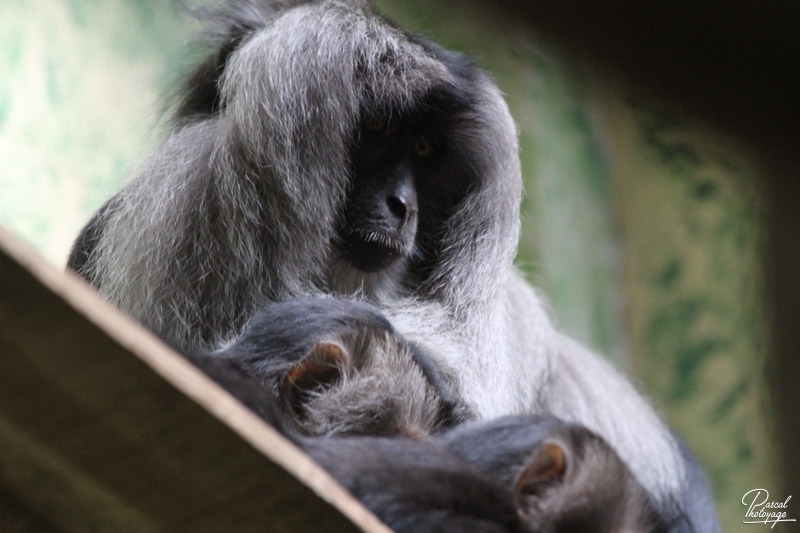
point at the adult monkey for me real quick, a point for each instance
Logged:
(319, 149)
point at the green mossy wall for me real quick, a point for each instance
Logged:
(642, 226)
(79, 89)
(689, 204)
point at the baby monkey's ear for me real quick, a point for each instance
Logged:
(321, 368)
(544, 470)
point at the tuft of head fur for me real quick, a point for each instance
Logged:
(236, 207)
(381, 385)
(384, 392)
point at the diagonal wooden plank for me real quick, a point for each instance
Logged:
(102, 427)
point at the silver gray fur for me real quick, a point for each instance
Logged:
(382, 388)
(237, 209)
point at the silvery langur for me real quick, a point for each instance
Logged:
(319, 149)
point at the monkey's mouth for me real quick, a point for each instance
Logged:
(373, 250)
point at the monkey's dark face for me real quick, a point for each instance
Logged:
(402, 187)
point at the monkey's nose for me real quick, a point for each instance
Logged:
(398, 206)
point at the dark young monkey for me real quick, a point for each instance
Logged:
(565, 478)
(339, 367)
(525, 474)
(318, 149)
(598, 475)
(569, 481)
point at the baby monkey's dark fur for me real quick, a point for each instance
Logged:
(526, 474)
(339, 367)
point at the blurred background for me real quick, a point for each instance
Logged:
(658, 142)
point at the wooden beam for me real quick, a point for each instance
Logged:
(103, 427)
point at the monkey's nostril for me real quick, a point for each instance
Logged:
(397, 206)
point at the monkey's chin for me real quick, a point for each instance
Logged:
(371, 257)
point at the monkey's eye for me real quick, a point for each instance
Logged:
(380, 125)
(422, 149)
